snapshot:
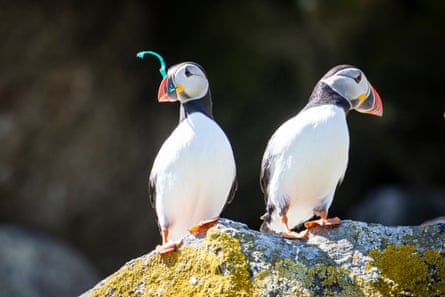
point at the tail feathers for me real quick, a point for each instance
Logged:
(272, 225)
(265, 226)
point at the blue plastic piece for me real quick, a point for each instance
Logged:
(162, 70)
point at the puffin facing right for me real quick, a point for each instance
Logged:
(307, 156)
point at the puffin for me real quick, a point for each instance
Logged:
(194, 174)
(306, 157)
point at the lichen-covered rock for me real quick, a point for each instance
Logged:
(353, 259)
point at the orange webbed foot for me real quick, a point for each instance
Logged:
(291, 234)
(322, 222)
(204, 225)
(168, 247)
(296, 235)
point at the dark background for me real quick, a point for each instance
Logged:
(80, 124)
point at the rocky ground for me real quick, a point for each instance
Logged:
(354, 259)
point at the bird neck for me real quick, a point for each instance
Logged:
(323, 94)
(203, 105)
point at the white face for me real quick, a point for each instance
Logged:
(350, 83)
(190, 82)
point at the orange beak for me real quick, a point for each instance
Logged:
(167, 90)
(377, 108)
(372, 104)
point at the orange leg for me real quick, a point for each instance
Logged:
(291, 234)
(204, 225)
(323, 221)
(167, 247)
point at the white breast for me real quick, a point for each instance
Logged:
(194, 172)
(309, 156)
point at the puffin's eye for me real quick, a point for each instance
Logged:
(358, 78)
(188, 73)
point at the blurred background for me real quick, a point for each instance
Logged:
(80, 124)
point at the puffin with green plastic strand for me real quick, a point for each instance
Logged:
(307, 156)
(194, 174)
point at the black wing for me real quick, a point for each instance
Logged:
(152, 191)
(265, 177)
(232, 191)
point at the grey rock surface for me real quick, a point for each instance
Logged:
(353, 259)
(35, 265)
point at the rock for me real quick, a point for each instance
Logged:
(435, 221)
(35, 265)
(353, 259)
(399, 205)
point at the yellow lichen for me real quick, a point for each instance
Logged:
(406, 271)
(219, 269)
(123, 283)
(290, 278)
(328, 280)
(364, 287)
(436, 263)
(286, 272)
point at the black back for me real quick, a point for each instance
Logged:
(203, 105)
(323, 94)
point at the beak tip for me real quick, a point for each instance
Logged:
(378, 106)
(163, 98)
(163, 93)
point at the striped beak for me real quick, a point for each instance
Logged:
(167, 90)
(372, 104)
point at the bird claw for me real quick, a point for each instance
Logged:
(204, 225)
(168, 247)
(296, 235)
(322, 222)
